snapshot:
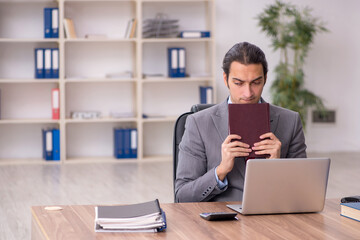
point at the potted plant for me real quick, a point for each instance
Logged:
(292, 31)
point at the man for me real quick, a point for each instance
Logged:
(211, 166)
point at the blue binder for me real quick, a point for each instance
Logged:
(39, 63)
(47, 63)
(54, 63)
(47, 22)
(118, 143)
(182, 62)
(127, 142)
(133, 143)
(173, 64)
(194, 34)
(206, 95)
(55, 23)
(56, 144)
(47, 144)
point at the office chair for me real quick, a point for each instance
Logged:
(179, 131)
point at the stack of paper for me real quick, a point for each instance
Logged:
(142, 217)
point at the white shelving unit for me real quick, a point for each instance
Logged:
(84, 63)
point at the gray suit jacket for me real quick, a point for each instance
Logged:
(200, 153)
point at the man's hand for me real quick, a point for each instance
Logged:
(271, 145)
(229, 150)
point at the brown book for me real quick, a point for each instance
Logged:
(69, 28)
(249, 121)
(133, 29)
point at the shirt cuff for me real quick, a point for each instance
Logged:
(221, 184)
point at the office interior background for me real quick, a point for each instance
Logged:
(331, 72)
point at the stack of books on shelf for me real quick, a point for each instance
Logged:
(125, 143)
(160, 27)
(142, 217)
(51, 22)
(51, 144)
(46, 63)
(176, 62)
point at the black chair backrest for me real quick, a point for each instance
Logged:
(179, 132)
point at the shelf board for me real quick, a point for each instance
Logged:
(27, 121)
(29, 40)
(177, 1)
(158, 158)
(85, 80)
(29, 80)
(99, 1)
(169, 80)
(166, 40)
(100, 120)
(100, 40)
(22, 161)
(160, 119)
(99, 160)
(86, 160)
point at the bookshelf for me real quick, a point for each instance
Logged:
(83, 66)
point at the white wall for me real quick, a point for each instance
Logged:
(331, 67)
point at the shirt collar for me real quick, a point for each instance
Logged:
(230, 102)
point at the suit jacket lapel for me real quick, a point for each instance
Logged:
(274, 119)
(221, 119)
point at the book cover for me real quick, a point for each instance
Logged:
(351, 210)
(47, 63)
(55, 103)
(173, 64)
(127, 142)
(182, 62)
(39, 63)
(206, 95)
(56, 144)
(129, 211)
(47, 22)
(194, 34)
(55, 23)
(249, 121)
(133, 29)
(54, 63)
(118, 143)
(133, 143)
(128, 28)
(69, 28)
(47, 144)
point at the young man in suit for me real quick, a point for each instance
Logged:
(211, 166)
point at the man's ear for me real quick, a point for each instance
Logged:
(225, 80)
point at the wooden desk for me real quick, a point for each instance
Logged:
(77, 222)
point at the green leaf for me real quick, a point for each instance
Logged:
(291, 29)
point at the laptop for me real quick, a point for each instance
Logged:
(289, 185)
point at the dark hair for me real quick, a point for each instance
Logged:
(244, 53)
